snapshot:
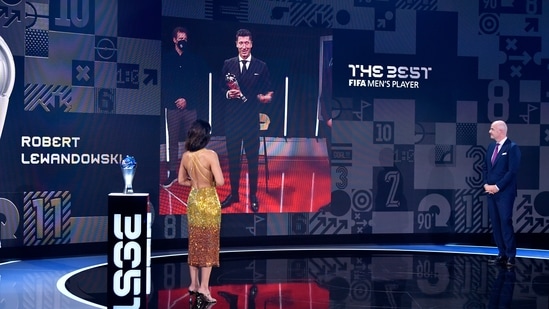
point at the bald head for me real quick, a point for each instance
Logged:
(498, 130)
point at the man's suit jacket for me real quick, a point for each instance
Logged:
(184, 76)
(503, 172)
(255, 81)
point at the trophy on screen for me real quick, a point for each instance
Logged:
(232, 83)
(7, 80)
(128, 166)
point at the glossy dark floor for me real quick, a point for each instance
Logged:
(341, 277)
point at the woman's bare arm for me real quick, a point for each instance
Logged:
(183, 176)
(216, 169)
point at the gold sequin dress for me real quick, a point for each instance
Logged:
(204, 216)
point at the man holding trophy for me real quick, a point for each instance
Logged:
(246, 85)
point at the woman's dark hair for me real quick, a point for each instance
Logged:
(198, 136)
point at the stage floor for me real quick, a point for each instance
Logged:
(359, 276)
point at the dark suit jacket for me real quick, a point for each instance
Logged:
(257, 80)
(183, 76)
(503, 172)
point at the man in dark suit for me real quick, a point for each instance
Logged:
(500, 183)
(242, 114)
(184, 90)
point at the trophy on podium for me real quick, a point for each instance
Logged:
(128, 166)
(232, 83)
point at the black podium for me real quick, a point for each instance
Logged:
(129, 256)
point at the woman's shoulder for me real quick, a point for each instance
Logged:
(204, 152)
(210, 152)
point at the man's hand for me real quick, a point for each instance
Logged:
(181, 103)
(265, 98)
(234, 94)
(491, 189)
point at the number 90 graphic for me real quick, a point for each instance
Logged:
(433, 212)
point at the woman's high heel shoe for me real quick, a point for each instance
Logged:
(191, 294)
(207, 297)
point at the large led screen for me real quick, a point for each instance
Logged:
(293, 167)
(378, 122)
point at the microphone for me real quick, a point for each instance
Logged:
(7, 80)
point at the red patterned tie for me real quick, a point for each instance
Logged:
(495, 153)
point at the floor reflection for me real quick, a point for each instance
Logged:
(348, 279)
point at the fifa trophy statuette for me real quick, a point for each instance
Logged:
(128, 166)
(232, 83)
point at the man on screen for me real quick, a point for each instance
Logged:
(246, 85)
(184, 87)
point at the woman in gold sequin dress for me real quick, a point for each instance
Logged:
(200, 169)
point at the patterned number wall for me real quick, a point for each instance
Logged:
(86, 94)
(414, 99)
(416, 85)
